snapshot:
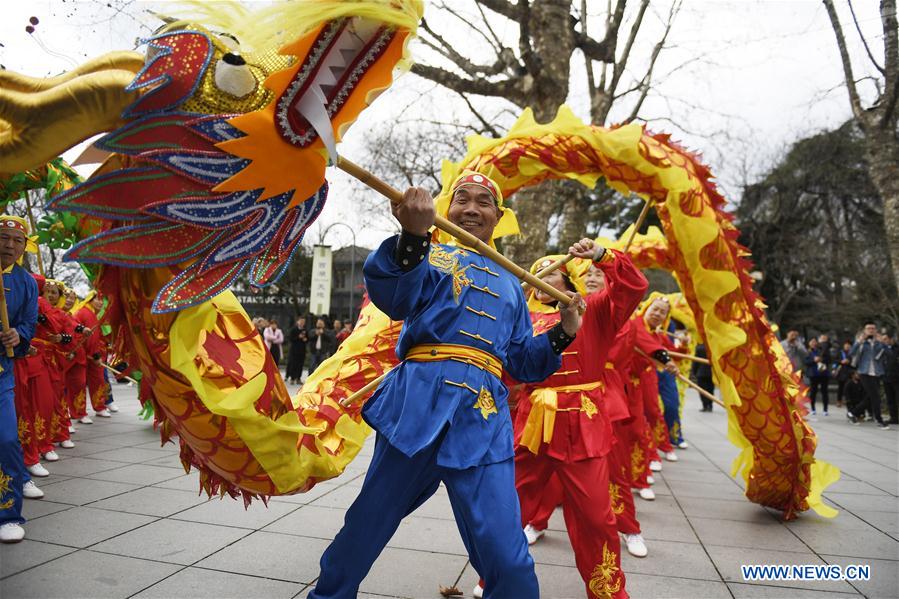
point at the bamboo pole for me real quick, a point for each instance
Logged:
(689, 383)
(4, 316)
(40, 260)
(118, 375)
(689, 357)
(552, 267)
(396, 197)
(638, 224)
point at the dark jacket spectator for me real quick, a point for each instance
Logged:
(702, 374)
(321, 344)
(868, 356)
(817, 369)
(297, 337)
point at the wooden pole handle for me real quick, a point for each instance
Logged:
(396, 197)
(4, 315)
(119, 375)
(638, 224)
(689, 357)
(690, 383)
(351, 399)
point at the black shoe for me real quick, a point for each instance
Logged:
(883, 426)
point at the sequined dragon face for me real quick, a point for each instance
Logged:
(220, 167)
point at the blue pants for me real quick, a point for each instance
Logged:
(12, 463)
(671, 402)
(484, 503)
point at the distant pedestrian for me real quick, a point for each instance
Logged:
(296, 359)
(891, 376)
(321, 344)
(868, 356)
(843, 371)
(702, 374)
(817, 369)
(341, 331)
(795, 349)
(855, 398)
(274, 339)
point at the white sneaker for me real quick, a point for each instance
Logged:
(67, 444)
(683, 445)
(31, 491)
(112, 408)
(655, 466)
(37, 470)
(51, 456)
(11, 532)
(86, 420)
(104, 413)
(650, 480)
(478, 591)
(647, 494)
(533, 534)
(72, 430)
(636, 546)
(671, 456)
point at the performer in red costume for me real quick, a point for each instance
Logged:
(647, 323)
(58, 322)
(561, 429)
(34, 393)
(75, 364)
(96, 351)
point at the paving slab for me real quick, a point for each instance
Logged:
(83, 526)
(271, 555)
(227, 512)
(773, 535)
(208, 584)
(79, 575)
(172, 541)
(151, 501)
(761, 591)
(411, 573)
(28, 554)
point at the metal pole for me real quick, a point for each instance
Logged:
(352, 262)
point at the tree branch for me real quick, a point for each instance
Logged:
(620, 64)
(501, 7)
(530, 59)
(864, 41)
(603, 51)
(446, 50)
(480, 87)
(891, 62)
(854, 100)
(647, 78)
(484, 123)
(591, 82)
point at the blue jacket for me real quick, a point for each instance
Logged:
(455, 296)
(866, 351)
(21, 306)
(817, 370)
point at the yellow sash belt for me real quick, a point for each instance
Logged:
(459, 353)
(544, 405)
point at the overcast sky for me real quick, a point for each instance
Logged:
(740, 83)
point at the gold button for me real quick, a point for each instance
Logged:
(433, 352)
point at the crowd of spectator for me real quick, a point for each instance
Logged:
(865, 370)
(304, 345)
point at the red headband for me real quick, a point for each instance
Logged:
(9, 223)
(480, 181)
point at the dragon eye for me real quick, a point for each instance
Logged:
(233, 76)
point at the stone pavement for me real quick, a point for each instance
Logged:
(121, 519)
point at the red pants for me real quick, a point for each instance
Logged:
(34, 410)
(59, 424)
(657, 425)
(76, 388)
(620, 482)
(99, 388)
(588, 515)
(551, 498)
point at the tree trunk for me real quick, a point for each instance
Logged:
(545, 92)
(882, 149)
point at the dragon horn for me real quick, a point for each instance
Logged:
(35, 127)
(111, 61)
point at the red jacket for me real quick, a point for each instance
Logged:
(582, 430)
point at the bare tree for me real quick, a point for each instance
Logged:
(878, 122)
(536, 74)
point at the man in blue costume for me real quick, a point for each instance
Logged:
(441, 415)
(21, 305)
